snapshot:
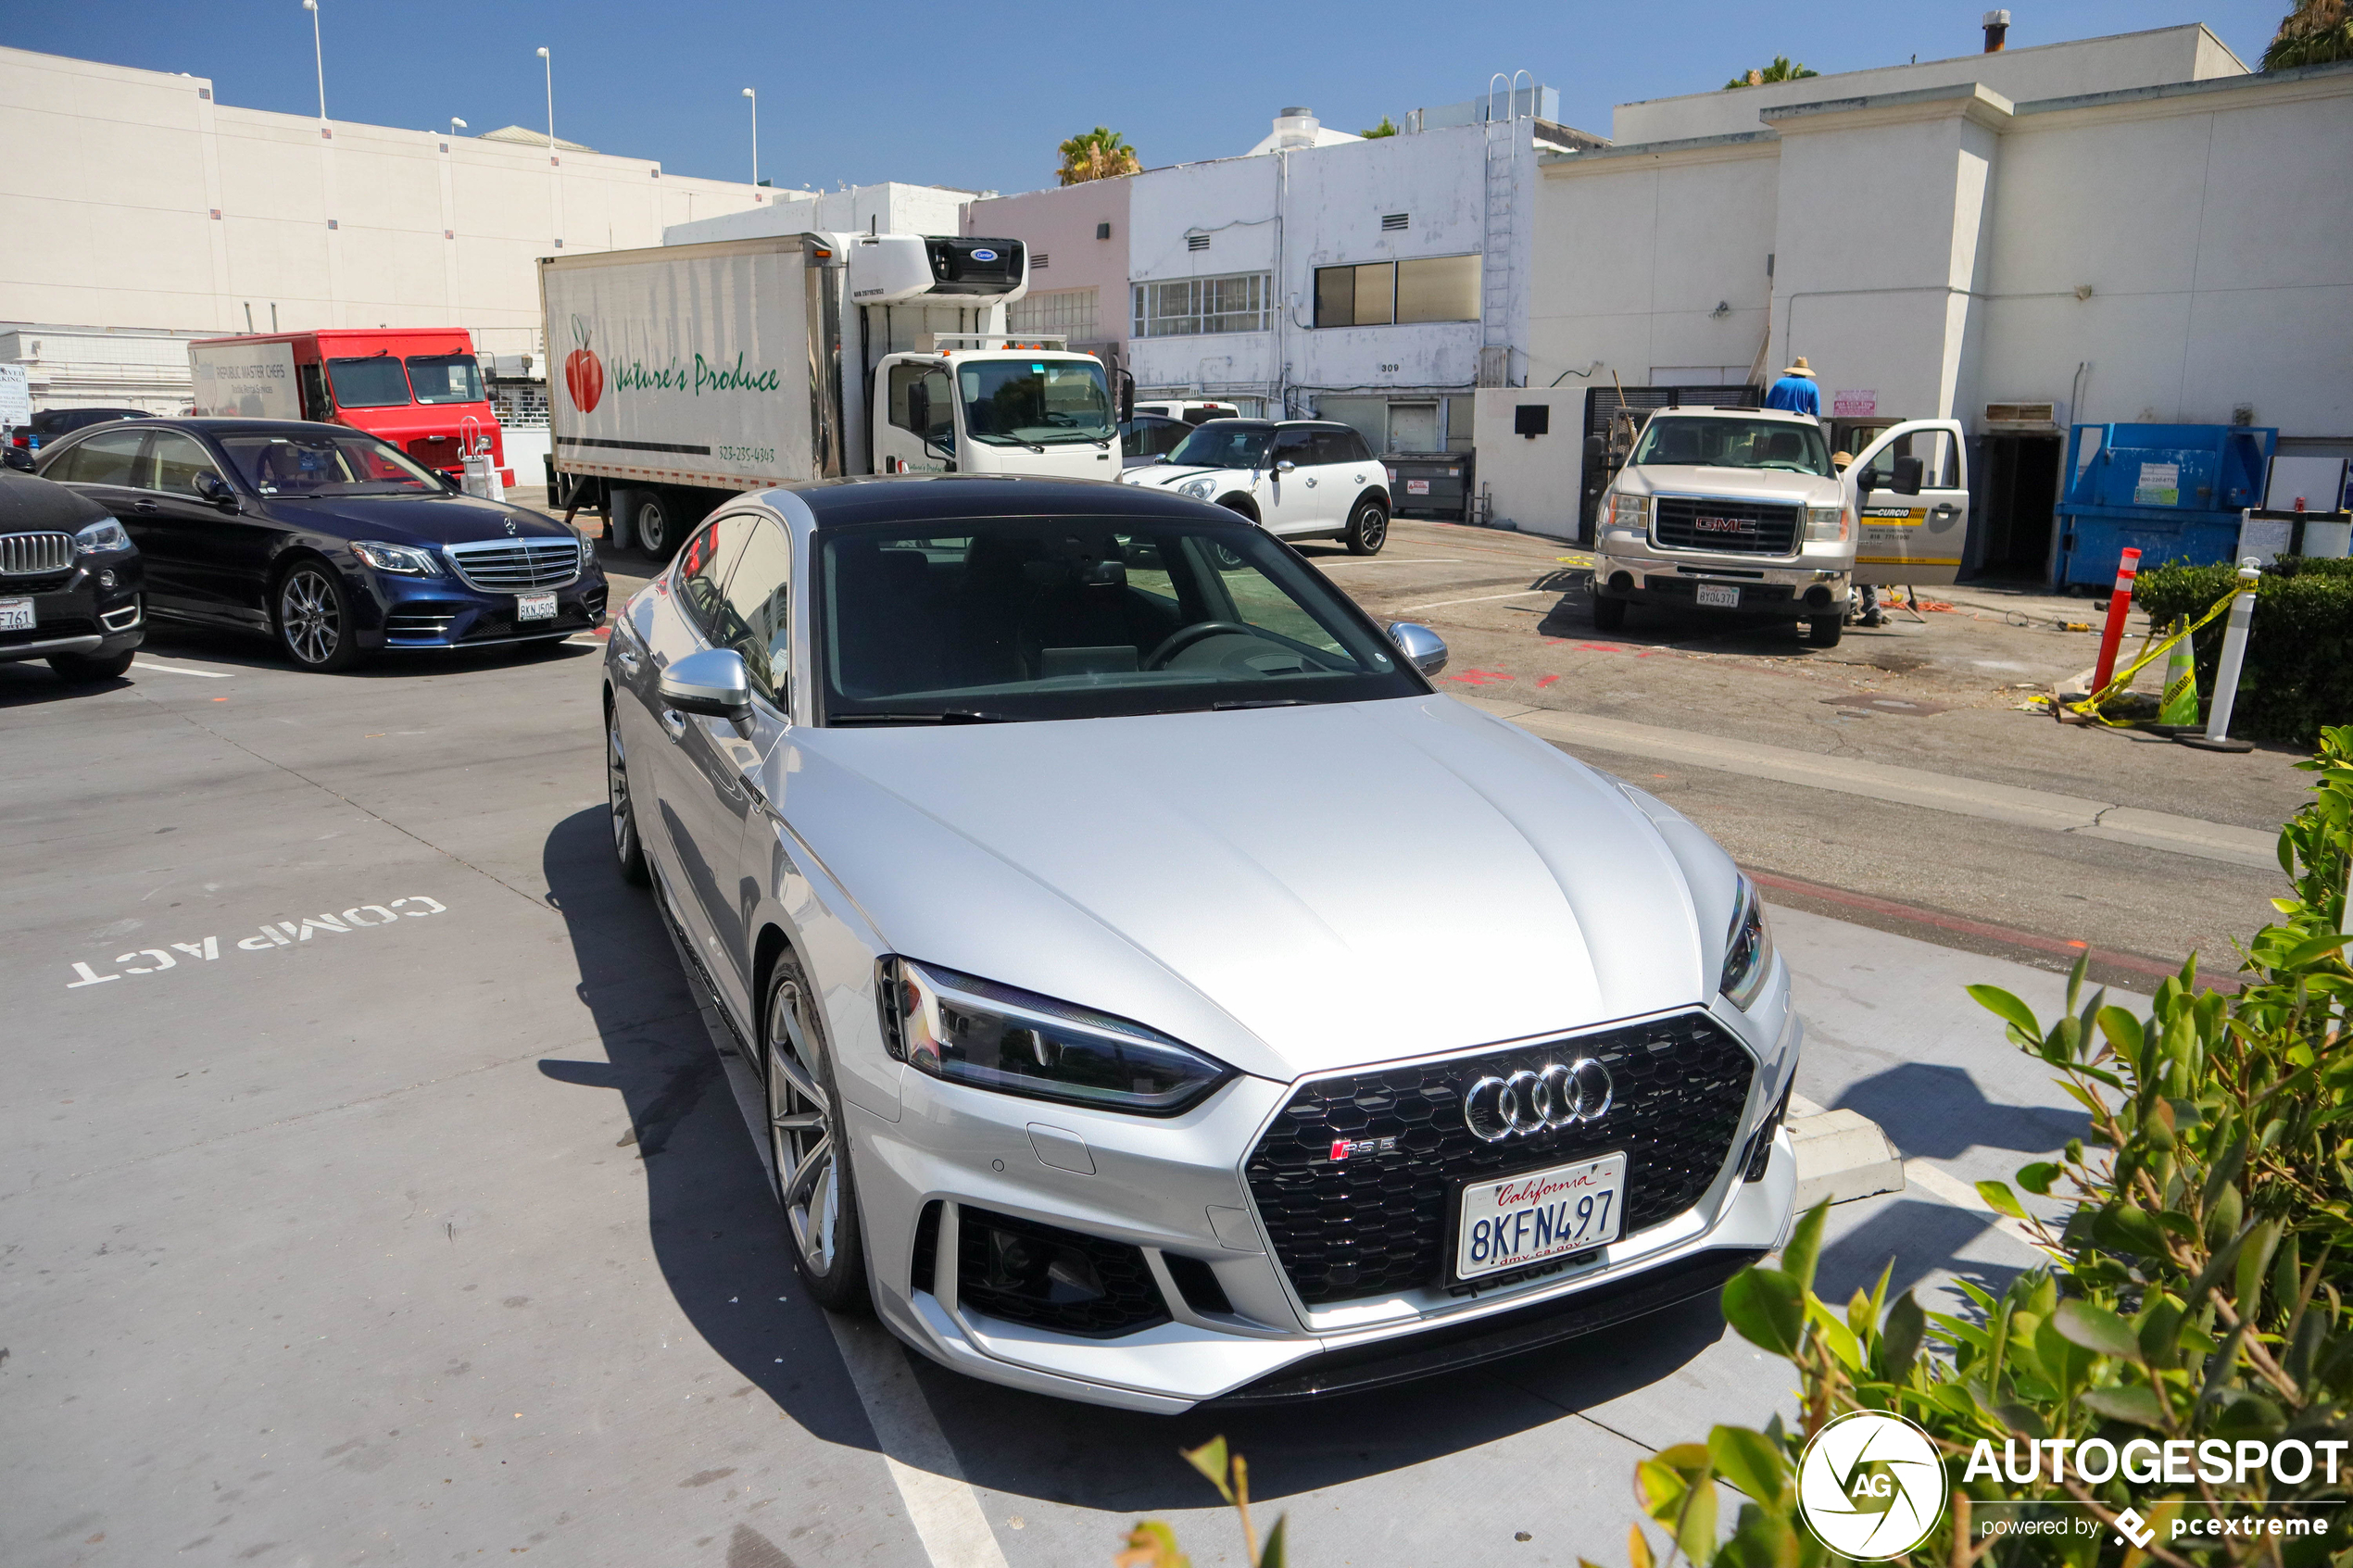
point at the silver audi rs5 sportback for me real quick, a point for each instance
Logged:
(1160, 993)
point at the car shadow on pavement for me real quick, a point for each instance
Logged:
(716, 1232)
(1915, 1240)
(724, 1253)
(1938, 1111)
(27, 684)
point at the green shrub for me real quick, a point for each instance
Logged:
(2298, 674)
(2197, 1290)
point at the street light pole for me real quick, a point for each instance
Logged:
(555, 168)
(318, 57)
(755, 133)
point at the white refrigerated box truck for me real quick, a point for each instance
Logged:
(684, 374)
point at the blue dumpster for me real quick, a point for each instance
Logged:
(2173, 491)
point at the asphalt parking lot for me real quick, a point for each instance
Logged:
(374, 1193)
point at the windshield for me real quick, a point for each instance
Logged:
(1719, 442)
(1225, 444)
(326, 465)
(1042, 403)
(1078, 618)
(445, 378)
(374, 382)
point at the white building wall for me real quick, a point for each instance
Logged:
(1234, 201)
(132, 198)
(890, 207)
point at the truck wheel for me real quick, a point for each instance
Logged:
(656, 525)
(1823, 631)
(1608, 614)
(1369, 530)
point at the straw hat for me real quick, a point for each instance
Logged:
(1800, 368)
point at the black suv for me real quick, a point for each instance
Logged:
(69, 581)
(51, 423)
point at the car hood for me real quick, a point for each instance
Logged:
(1747, 484)
(1162, 478)
(1292, 890)
(418, 520)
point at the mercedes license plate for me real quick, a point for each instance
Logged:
(1717, 596)
(16, 615)
(1543, 1214)
(535, 607)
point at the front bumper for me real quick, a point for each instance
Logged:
(73, 613)
(1175, 1190)
(442, 612)
(1626, 567)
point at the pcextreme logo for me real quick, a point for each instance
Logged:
(1870, 1486)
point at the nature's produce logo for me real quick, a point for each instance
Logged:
(584, 374)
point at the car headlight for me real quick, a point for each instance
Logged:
(100, 537)
(990, 1037)
(399, 558)
(1748, 948)
(1630, 512)
(1826, 525)
(1198, 489)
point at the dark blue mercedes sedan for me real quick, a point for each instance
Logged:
(331, 542)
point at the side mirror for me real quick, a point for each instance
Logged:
(1907, 476)
(214, 488)
(1593, 449)
(1127, 396)
(918, 407)
(17, 458)
(1286, 466)
(712, 683)
(1422, 649)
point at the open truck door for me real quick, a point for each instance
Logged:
(1911, 496)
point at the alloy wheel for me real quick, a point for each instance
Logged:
(1374, 531)
(309, 617)
(801, 1133)
(624, 821)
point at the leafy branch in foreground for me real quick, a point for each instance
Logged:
(1153, 1544)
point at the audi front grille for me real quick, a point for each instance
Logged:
(1375, 1222)
(1758, 528)
(34, 555)
(516, 565)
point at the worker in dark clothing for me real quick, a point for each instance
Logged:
(1795, 390)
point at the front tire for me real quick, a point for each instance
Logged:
(628, 849)
(807, 1137)
(314, 618)
(82, 668)
(1367, 529)
(1823, 631)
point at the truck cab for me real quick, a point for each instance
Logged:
(989, 403)
(418, 388)
(1743, 511)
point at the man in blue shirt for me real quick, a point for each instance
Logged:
(1795, 390)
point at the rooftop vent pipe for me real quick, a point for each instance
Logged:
(1296, 127)
(1997, 30)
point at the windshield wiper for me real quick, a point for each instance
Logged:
(933, 716)
(1007, 440)
(1258, 702)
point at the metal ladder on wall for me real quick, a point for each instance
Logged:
(1496, 272)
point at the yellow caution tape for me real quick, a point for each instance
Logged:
(2151, 649)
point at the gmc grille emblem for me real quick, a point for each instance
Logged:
(1527, 1103)
(1724, 524)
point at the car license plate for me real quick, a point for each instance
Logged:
(1527, 1219)
(16, 615)
(535, 607)
(1716, 595)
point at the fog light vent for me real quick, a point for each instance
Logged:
(1197, 1281)
(920, 1273)
(1027, 1273)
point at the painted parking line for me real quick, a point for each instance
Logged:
(1483, 598)
(1396, 561)
(941, 1504)
(1948, 1188)
(181, 669)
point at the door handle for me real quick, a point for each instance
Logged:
(142, 505)
(675, 723)
(1948, 510)
(627, 660)
(1310, 485)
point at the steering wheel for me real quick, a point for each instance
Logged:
(1200, 631)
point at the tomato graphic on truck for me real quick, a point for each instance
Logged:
(583, 372)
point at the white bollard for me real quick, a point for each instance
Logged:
(2226, 675)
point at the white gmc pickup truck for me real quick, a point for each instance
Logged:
(1742, 510)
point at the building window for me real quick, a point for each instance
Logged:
(1191, 306)
(1071, 312)
(1103, 231)
(1379, 293)
(1196, 242)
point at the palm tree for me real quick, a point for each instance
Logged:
(1780, 71)
(1101, 153)
(2314, 33)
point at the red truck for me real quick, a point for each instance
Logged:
(417, 387)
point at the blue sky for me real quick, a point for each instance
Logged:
(977, 95)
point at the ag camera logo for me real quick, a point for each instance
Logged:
(1870, 1486)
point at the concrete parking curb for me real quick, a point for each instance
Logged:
(1842, 1155)
(1910, 787)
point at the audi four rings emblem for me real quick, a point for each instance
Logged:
(1529, 1102)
